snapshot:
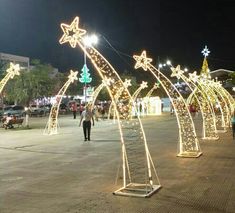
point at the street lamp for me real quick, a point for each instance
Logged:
(168, 62)
(88, 41)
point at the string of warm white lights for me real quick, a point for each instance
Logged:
(112, 110)
(150, 92)
(208, 116)
(132, 136)
(228, 99)
(216, 104)
(142, 86)
(11, 72)
(188, 145)
(52, 124)
(223, 102)
(96, 93)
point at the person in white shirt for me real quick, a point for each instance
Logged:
(7, 123)
(86, 118)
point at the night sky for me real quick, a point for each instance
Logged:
(175, 30)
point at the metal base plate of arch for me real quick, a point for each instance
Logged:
(137, 190)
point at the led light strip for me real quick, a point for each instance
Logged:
(112, 110)
(52, 123)
(223, 103)
(188, 142)
(208, 116)
(132, 136)
(11, 72)
(216, 103)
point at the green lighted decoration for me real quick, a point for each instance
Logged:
(85, 75)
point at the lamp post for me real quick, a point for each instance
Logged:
(85, 76)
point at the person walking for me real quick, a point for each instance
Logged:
(81, 108)
(86, 118)
(74, 110)
(233, 124)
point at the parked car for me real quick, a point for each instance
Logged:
(42, 110)
(15, 110)
(1, 112)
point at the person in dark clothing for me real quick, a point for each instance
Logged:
(86, 118)
(74, 110)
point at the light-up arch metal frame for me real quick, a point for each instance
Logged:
(142, 86)
(227, 96)
(226, 104)
(150, 92)
(138, 175)
(208, 116)
(223, 103)
(216, 103)
(119, 92)
(96, 93)
(11, 72)
(188, 145)
(52, 124)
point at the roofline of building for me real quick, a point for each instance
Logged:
(224, 70)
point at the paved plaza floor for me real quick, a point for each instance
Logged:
(63, 174)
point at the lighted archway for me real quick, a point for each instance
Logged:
(142, 86)
(52, 124)
(112, 110)
(150, 92)
(11, 72)
(216, 103)
(147, 99)
(226, 104)
(96, 93)
(138, 175)
(208, 116)
(188, 145)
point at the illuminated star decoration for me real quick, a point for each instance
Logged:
(13, 69)
(193, 76)
(205, 51)
(72, 33)
(127, 83)
(144, 84)
(176, 72)
(156, 85)
(142, 61)
(73, 76)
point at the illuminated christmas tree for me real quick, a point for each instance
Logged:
(85, 75)
(205, 72)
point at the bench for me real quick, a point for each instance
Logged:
(11, 123)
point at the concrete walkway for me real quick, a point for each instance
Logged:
(64, 174)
